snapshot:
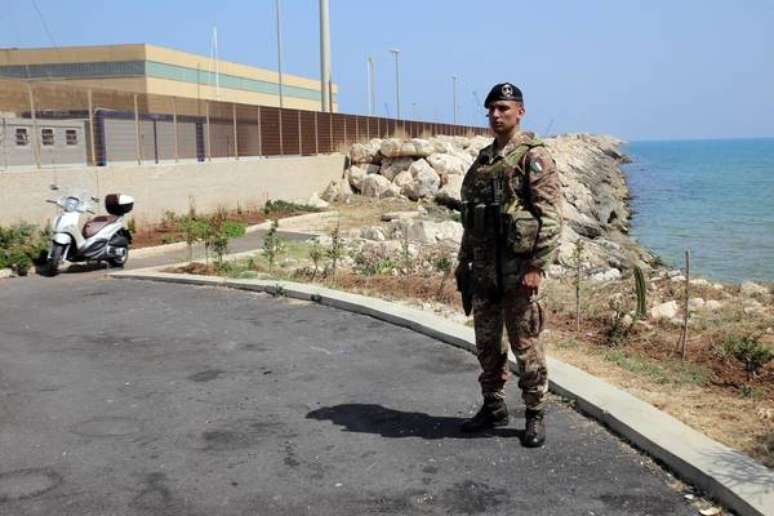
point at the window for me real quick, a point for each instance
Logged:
(22, 138)
(71, 136)
(47, 136)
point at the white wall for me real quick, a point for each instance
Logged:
(158, 188)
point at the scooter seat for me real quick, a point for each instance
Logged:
(95, 224)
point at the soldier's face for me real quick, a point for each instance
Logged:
(505, 115)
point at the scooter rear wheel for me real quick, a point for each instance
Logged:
(52, 265)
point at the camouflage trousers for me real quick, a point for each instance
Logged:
(523, 319)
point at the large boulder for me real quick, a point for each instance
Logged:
(413, 148)
(337, 191)
(750, 289)
(316, 202)
(392, 167)
(426, 180)
(450, 191)
(364, 152)
(357, 173)
(447, 164)
(374, 185)
(429, 233)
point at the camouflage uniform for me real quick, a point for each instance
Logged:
(531, 223)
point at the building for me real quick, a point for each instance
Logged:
(62, 142)
(159, 71)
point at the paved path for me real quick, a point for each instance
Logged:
(123, 397)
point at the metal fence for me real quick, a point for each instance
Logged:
(47, 123)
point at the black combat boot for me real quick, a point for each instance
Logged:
(494, 412)
(535, 431)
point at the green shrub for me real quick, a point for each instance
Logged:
(336, 250)
(273, 244)
(233, 228)
(22, 245)
(285, 207)
(749, 351)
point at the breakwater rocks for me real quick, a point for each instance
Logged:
(596, 197)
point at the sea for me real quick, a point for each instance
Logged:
(713, 198)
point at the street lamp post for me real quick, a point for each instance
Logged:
(454, 99)
(395, 52)
(279, 53)
(325, 57)
(371, 88)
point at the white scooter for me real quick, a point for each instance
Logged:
(103, 238)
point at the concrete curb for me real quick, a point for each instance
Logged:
(726, 475)
(145, 252)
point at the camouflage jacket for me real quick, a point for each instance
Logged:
(530, 209)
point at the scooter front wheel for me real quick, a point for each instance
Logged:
(57, 252)
(119, 261)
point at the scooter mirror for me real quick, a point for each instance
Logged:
(53, 187)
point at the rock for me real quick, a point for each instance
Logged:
(374, 185)
(627, 320)
(713, 305)
(749, 288)
(700, 282)
(426, 181)
(673, 273)
(392, 167)
(666, 310)
(447, 164)
(399, 215)
(357, 173)
(404, 180)
(373, 233)
(6, 273)
(717, 286)
(451, 190)
(752, 307)
(315, 201)
(608, 275)
(556, 271)
(392, 191)
(413, 148)
(695, 304)
(429, 233)
(677, 279)
(337, 191)
(363, 153)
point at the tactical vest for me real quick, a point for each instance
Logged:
(500, 205)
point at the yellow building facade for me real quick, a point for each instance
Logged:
(153, 70)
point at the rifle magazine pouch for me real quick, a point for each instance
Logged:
(479, 219)
(522, 230)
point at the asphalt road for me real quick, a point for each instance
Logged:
(129, 397)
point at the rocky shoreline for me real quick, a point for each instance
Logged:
(596, 198)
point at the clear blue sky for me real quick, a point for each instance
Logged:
(636, 69)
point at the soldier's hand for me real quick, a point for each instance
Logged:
(532, 278)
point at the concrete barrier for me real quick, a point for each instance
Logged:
(170, 186)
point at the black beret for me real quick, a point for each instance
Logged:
(503, 91)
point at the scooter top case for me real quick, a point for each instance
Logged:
(118, 204)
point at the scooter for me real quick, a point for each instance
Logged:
(104, 238)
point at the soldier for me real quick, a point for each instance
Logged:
(511, 215)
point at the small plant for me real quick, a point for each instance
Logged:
(316, 255)
(169, 220)
(406, 260)
(749, 351)
(131, 225)
(280, 207)
(336, 250)
(442, 264)
(273, 244)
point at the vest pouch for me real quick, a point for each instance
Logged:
(479, 219)
(466, 215)
(523, 229)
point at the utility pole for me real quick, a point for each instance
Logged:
(454, 99)
(395, 52)
(371, 87)
(325, 57)
(279, 53)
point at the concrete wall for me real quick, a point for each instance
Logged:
(158, 188)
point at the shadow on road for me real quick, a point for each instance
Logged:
(387, 422)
